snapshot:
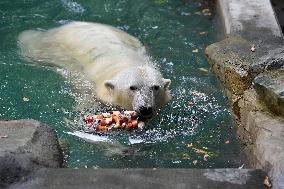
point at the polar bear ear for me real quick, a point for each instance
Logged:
(167, 83)
(109, 84)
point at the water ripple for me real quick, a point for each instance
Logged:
(73, 6)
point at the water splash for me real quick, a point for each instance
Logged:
(73, 6)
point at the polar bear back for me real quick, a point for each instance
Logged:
(114, 61)
(90, 47)
(94, 40)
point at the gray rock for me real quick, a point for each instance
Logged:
(272, 58)
(145, 178)
(252, 23)
(236, 65)
(26, 145)
(270, 87)
(249, 17)
(232, 61)
(278, 6)
(265, 134)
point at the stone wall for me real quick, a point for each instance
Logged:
(249, 62)
(26, 146)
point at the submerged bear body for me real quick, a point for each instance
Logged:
(113, 60)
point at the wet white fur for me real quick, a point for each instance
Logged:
(112, 59)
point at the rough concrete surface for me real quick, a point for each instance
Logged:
(236, 65)
(26, 145)
(231, 60)
(270, 87)
(278, 6)
(265, 136)
(250, 62)
(242, 16)
(145, 178)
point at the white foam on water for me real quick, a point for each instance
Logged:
(135, 141)
(89, 137)
(73, 6)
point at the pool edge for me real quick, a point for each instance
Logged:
(249, 63)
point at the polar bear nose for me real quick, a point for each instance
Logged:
(146, 111)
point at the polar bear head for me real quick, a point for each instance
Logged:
(142, 89)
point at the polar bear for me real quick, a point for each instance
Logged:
(114, 61)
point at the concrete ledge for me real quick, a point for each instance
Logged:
(250, 62)
(249, 17)
(236, 66)
(264, 135)
(145, 178)
(270, 88)
(26, 145)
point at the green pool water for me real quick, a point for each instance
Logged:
(196, 121)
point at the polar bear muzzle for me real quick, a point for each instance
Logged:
(146, 112)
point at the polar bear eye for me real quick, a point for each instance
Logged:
(133, 88)
(156, 87)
